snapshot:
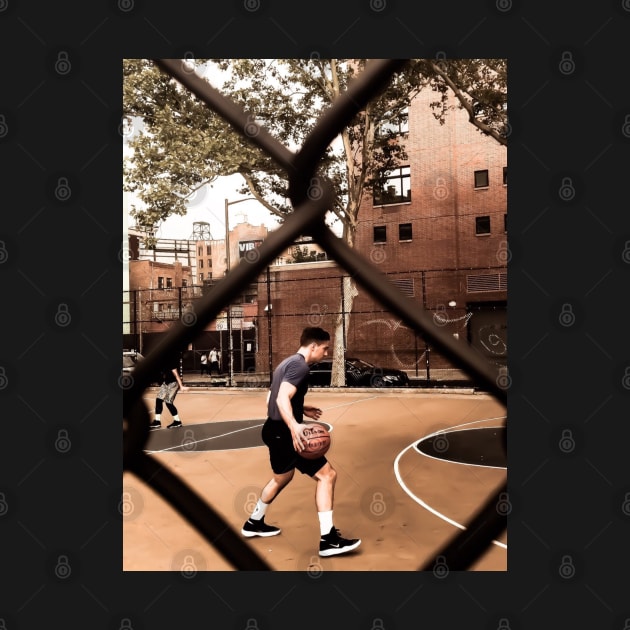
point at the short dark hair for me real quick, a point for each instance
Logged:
(314, 334)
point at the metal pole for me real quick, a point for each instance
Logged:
(269, 331)
(415, 341)
(343, 314)
(227, 270)
(241, 346)
(229, 306)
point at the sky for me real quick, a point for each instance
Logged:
(208, 203)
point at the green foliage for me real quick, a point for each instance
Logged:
(185, 145)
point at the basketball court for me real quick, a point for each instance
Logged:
(413, 466)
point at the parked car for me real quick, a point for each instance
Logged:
(130, 358)
(359, 373)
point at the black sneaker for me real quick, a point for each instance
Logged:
(332, 544)
(156, 424)
(259, 528)
(175, 424)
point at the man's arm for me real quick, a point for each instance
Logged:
(283, 401)
(178, 379)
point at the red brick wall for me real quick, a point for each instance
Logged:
(444, 201)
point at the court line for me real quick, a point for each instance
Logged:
(350, 403)
(459, 426)
(213, 437)
(456, 430)
(417, 499)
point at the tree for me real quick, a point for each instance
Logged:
(185, 145)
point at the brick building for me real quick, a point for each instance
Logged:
(212, 257)
(160, 292)
(438, 229)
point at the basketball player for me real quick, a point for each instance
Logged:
(282, 433)
(170, 384)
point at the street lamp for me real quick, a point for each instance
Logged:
(227, 271)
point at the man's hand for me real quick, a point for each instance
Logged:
(314, 413)
(297, 433)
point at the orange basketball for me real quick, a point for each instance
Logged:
(317, 441)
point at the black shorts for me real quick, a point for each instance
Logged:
(282, 455)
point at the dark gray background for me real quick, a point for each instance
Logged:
(569, 235)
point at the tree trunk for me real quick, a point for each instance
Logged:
(342, 321)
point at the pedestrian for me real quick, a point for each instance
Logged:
(282, 432)
(214, 361)
(204, 365)
(170, 383)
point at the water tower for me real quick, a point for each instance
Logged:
(201, 231)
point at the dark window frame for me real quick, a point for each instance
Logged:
(403, 228)
(481, 176)
(482, 225)
(378, 230)
(401, 178)
(386, 128)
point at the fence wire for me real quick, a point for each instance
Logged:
(311, 196)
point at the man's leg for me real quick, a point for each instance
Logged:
(255, 524)
(326, 478)
(156, 424)
(330, 543)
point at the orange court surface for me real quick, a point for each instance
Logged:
(403, 501)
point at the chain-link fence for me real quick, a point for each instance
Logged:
(311, 196)
(257, 331)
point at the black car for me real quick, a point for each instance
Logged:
(359, 373)
(130, 358)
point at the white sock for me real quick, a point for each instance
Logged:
(325, 522)
(176, 418)
(259, 511)
(157, 417)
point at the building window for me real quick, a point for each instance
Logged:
(482, 225)
(209, 265)
(380, 234)
(160, 282)
(184, 282)
(481, 179)
(169, 283)
(393, 186)
(200, 251)
(395, 124)
(201, 263)
(405, 232)
(208, 250)
(505, 175)
(201, 278)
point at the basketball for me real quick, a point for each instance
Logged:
(317, 441)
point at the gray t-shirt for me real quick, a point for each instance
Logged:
(293, 370)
